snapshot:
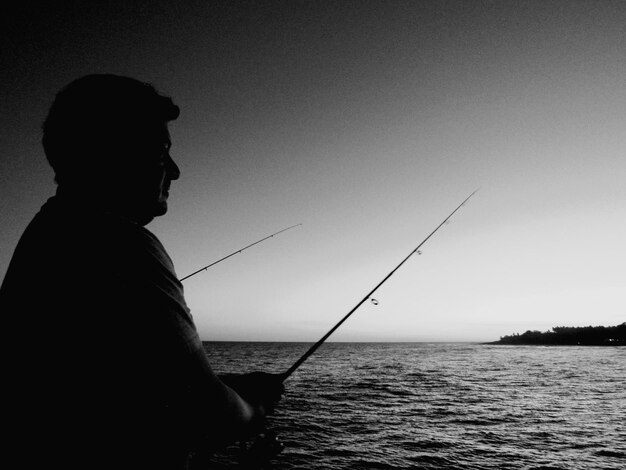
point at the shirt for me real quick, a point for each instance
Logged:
(104, 367)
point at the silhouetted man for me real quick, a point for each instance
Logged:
(103, 365)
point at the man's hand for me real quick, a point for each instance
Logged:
(257, 388)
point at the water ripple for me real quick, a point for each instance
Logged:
(444, 406)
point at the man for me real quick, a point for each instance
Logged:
(103, 364)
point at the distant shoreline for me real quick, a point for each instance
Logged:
(500, 343)
(569, 336)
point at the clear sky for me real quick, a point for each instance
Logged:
(367, 122)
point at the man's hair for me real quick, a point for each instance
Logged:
(98, 117)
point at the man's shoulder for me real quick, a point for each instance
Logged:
(67, 230)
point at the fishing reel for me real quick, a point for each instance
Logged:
(254, 453)
(257, 452)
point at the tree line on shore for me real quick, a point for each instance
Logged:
(571, 335)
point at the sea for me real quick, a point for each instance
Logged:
(439, 406)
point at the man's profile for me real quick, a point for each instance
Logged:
(103, 367)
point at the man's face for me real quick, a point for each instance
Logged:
(149, 176)
(165, 172)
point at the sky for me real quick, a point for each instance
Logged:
(368, 122)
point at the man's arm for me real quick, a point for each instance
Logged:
(221, 412)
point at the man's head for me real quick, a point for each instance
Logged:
(107, 140)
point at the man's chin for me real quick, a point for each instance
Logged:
(160, 208)
(157, 210)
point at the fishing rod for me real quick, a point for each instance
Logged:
(314, 348)
(235, 252)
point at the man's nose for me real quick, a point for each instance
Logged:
(172, 168)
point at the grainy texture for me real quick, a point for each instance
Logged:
(443, 405)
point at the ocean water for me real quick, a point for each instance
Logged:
(442, 405)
